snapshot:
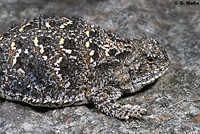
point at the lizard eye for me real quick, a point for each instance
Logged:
(150, 59)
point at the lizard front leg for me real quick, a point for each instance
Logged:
(105, 100)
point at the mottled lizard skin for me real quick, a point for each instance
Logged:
(60, 61)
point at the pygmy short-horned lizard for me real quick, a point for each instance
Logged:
(60, 61)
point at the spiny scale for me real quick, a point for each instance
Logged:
(60, 61)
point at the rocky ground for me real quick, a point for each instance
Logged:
(173, 102)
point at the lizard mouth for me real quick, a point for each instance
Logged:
(141, 79)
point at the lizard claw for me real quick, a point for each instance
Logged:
(133, 111)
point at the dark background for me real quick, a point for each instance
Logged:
(173, 102)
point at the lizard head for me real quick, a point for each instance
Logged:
(147, 62)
